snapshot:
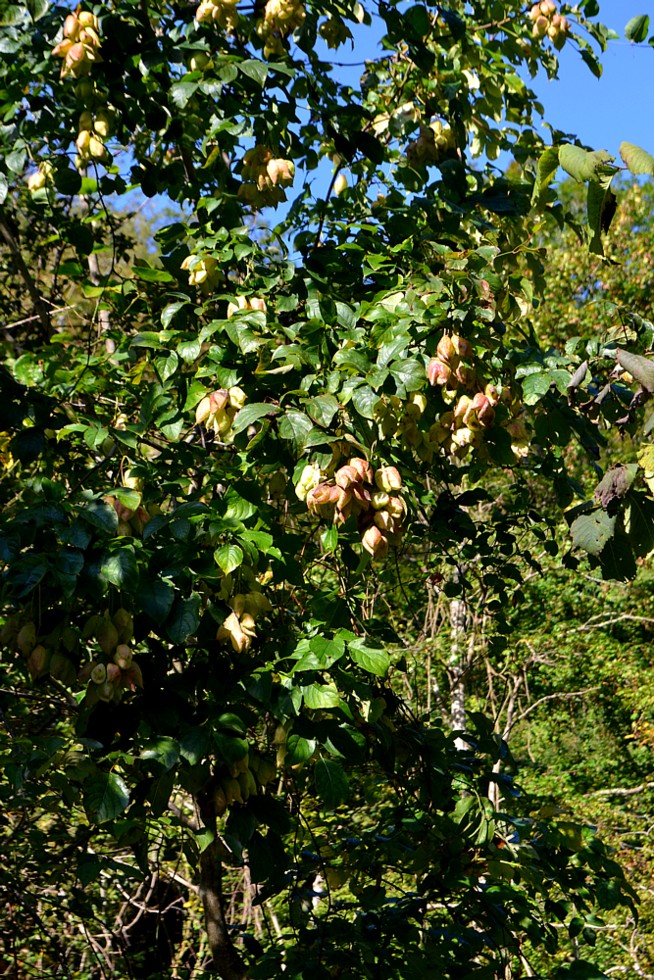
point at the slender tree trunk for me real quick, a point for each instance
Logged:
(457, 665)
(227, 962)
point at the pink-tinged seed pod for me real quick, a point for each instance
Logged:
(218, 400)
(363, 468)
(113, 673)
(438, 373)
(540, 27)
(534, 13)
(396, 507)
(71, 26)
(123, 656)
(323, 499)
(388, 478)
(346, 476)
(484, 411)
(462, 347)
(461, 409)
(133, 678)
(465, 375)
(492, 394)
(343, 506)
(446, 350)
(375, 542)
(548, 7)
(384, 521)
(360, 498)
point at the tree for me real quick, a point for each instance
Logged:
(243, 468)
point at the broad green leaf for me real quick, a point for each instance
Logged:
(250, 414)
(318, 696)
(638, 161)
(641, 368)
(592, 531)
(331, 783)
(120, 568)
(295, 427)
(322, 409)
(548, 164)
(105, 797)
(184, 619)
(101, 516)
(372, 660)
(164, 751)
(148, 274)
(228, 558)
(298, 750)
(583, 164)
(257, 70)
(636, 29)
(155, 598)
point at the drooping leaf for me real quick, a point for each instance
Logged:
(641, 368)
(592, 531)
(331, 782)
(105, 797)
(638, 161)
(583, 164)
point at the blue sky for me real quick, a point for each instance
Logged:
(618, 106)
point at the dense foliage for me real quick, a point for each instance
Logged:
(281, 484)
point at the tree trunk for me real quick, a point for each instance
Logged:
(227, 962)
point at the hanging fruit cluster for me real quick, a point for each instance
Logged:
(246, 303)
(239, 628)
(131, 521)
(432, 144)
(220, 12)
(280, 19)
(203, 271)
(473, 411)
(80, 46)
(218, 410)
(356, 491)
(548, 22)
(44, 653)
(237, 782)
(264, 177)
(116, 670)
(93, 130)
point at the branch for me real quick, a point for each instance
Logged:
(37, 299)
(551, 697)
(590, 625)
(624, 792)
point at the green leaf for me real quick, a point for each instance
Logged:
(250, 414)
(184, 619)
(548, 164)
(120, 568)
(322, 409)
(256, 70)
(364, 399)
(100, 515)
(372, 660)
(298, 750)
(105, 797)
(331, 783)
(592, 531)
(228, 558)
(318, 696)
(583, 164)
(164, 751)
(641, 368)
(155, 597)
(148, 274)
(636, 29)
(637, 160)
(295, 427)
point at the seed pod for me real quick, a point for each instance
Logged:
(388, 478)
(99, 674)
(375, 542)
(26, 639)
